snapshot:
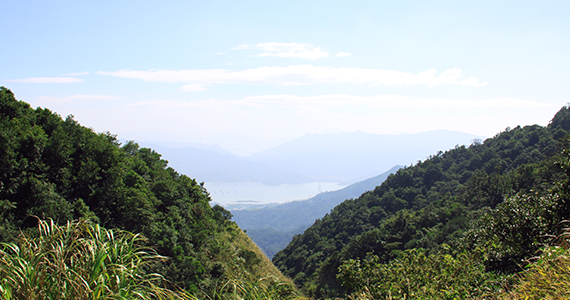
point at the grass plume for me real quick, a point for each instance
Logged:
(80, 260)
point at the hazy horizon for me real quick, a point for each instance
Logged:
(235, 147)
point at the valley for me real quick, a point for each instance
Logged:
(455, 224)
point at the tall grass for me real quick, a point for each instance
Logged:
(548, 277)
(270, 288)
(80, 260)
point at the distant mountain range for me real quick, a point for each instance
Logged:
(337, 157)
(215, 166)
(272, 227)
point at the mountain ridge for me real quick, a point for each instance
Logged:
(345, 157)
(355, 156)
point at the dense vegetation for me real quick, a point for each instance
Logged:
(56, 169)
(512, 185)
(413, 274)
(451, 275)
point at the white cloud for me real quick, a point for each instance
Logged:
(266, 115)
(290, 50)
(472, 81)
(342, 54)
(399, 101)
(48, 80)
(339, 105)
(243, 46)
(345, 110)
(196, 87)
(381, 101)
(47, 101)
(77, 73)
(296, 75)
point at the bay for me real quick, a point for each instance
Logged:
(232, 193)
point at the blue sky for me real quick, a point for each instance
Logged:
(270, 71)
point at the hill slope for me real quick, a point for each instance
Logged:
(433, 202)
(54, 168)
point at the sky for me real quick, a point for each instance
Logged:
(253, 74)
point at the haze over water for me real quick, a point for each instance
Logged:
(251, 192)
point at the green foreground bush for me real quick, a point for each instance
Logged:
(415, 275)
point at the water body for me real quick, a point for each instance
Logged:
(225, 193)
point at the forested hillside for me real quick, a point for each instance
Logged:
(502, 196)
(52, 168)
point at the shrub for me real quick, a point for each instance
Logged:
(415, 275)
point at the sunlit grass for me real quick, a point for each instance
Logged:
(265, 288)
(250, 274)
(80, 260)
(548, 277)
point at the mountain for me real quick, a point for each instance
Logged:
(271, 228)
(500, 198)
(56, 169)
(172, 144)
(337, 157)
(354, 156)
(214, 166)
(237, 145)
